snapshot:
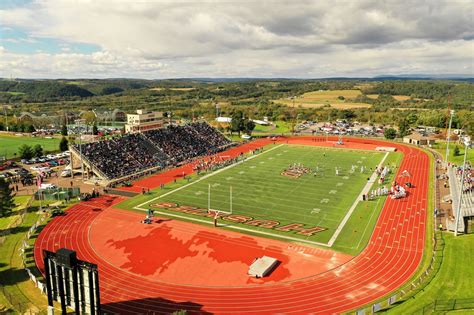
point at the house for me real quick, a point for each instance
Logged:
(419, 139)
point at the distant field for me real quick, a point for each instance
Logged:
(172, 89)
(261, 192)
(9, 144)
(400, 98)
(322, 98)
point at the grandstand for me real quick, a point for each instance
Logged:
(131, 155)
(467, 200)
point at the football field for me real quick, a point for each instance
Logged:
(260, 196)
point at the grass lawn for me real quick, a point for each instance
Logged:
(9, 144)
(259, 191)
(26, 298)
(20, 202)
(281, 127)
(13, 278)
(454, 280)
(441, 148)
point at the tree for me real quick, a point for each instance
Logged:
(390, 133)
(95, 131)
(26, 152)
(249, 126)
(63, 144)
(89, 116)
(30, 128)
(403, 128)
(237, 122)
(38, 150)
(6, 198)
(64, 130)
(456, 151)
(412, 118)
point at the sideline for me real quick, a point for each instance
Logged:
(367, 186)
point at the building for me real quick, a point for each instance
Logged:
(418, 139)
(144, 120)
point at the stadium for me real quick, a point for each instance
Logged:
(236, 157)
(342, 219)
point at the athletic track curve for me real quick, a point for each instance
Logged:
(392, 255)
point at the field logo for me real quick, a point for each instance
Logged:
(297, 228)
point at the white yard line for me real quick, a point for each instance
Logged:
(367, 186)
(204, 177)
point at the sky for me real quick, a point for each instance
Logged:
(157, 39)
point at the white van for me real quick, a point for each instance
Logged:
(48, 186)
(66, 173)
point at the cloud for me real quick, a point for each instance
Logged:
(246, 38)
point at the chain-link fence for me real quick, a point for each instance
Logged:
(446, 306)
(58, 193)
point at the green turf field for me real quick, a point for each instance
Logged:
(9, 144)
(261, 192)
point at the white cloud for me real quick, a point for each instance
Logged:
(156, 39)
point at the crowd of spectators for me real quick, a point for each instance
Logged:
(133, 153)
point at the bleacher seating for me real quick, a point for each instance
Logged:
(133, 153)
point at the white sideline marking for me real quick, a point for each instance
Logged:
(354, 205)
(138, 207)
(339, 184)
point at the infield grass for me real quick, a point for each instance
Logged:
(259, 190)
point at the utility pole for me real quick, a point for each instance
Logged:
(448, 137)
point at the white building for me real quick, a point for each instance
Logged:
(144, 120)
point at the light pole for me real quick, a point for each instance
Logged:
(467, 143)
(80, 122)
(5, 113)
(448, 137)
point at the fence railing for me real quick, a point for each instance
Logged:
(446, 305)
(425, 276)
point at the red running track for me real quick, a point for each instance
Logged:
(394, 252)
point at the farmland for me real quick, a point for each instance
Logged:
(340, 99)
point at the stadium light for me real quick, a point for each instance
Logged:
(448, 137)
(467, 143)
(80, 122)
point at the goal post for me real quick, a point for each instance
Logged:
(210, 209)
